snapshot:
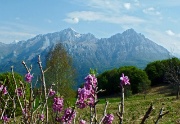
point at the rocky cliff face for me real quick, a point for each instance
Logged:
(87, 51)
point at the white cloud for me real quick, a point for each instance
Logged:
(111, 11)
(127, 5)
(169, 32)
(76, 20)
(74, 17)
(97, 16)
(73, 20)
(151, 11)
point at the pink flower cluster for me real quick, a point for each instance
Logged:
(5, 118)
(28, 77)
(86, 95)
(69, 115)
(58, 104)
(52, 92)
(19, 92)
(108, 119)
(124, 80)
(3, 89)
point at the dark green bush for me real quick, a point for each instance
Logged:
(7, 80)
(110, 80)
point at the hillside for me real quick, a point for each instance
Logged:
(136, 107)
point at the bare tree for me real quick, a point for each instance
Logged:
(172, 74)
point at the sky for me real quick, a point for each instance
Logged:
(158, 20)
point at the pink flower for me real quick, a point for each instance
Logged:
(108, 119)
(5, 118)
(28, 77)
(41, 117)
(81, 104)
(85, 98)
(82, 122)
(124, 80)
(91, 80)
(69, 115)
(51, 92)
(58, 104)
(1, 87)
(85, 94)
(19, 91)
(4, 91)
(25, 112)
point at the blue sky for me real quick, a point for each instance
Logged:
(158, 20)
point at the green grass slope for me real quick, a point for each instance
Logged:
(136, 107)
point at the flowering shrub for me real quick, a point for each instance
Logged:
(87, 97)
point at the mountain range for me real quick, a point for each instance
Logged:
(87, 51)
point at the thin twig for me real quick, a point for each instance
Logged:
(4, 107)
(44, 86)
(16, 87)
(47, 69)
(104, 113)
(161, 114)
(147, 113)
(121, 107)
(28, 70)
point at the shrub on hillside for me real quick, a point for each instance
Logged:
(109, 80)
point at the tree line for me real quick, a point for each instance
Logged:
(164, 72)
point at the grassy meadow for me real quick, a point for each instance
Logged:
(136, 107)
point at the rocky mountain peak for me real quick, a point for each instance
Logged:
(130, 32)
